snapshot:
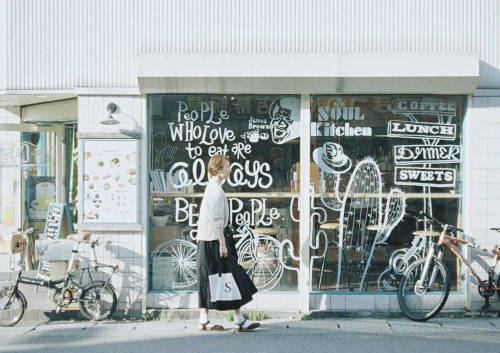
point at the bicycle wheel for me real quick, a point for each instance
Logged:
(12, 306)
(422, 301)
(98, 301)
(260, 259)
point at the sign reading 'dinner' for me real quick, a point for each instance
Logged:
(406, 129)
(435, 177)
(422, 154)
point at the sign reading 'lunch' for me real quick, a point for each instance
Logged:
(427, 154)
(406, 129)
(435, 177)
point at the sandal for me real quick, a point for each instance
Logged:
(205, 327)
(246, 325)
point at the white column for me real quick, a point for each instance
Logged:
(305, 139)
(145, 200)
(466, 174)
(59, 163)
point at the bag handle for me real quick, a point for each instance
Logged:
(221, 264)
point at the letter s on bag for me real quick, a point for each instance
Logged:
(228, 287)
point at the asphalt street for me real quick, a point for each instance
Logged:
(471, 335)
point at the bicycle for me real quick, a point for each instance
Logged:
(425, 285)
(97, 299)
(258, 254)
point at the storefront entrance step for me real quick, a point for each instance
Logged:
(187, 314)
(331, 314)
(44, 316)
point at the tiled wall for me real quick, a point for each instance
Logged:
(370, 302)
(261, 301)
(483, 184)
(124, 248)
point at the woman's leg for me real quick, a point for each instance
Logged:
(241, 323)
(238, 317)
(203, 316)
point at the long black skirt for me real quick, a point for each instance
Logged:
(208, 259)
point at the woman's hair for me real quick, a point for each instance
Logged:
(216, 163)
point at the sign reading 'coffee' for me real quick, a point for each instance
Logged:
(421, 106)
(406, 129)
(435, 177)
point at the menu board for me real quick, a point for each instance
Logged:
(58, 223)
(109, 179)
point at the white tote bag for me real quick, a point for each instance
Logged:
(223, 287)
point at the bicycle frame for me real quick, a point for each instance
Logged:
(70, 275)
(451, 243)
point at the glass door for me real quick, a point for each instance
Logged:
(31, 174)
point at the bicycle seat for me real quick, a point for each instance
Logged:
(79, 237)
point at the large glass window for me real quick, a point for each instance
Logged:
(374, 160)
(260, 134)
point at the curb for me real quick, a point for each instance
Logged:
(45, 316)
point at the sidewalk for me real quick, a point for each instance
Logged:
(471, 335)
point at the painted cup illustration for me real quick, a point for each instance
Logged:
(253, 136)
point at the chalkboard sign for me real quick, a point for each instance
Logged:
(58, 221)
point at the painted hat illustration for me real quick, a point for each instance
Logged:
(331, 158)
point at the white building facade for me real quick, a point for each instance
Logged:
(362, 92)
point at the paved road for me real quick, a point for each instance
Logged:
(473, 335)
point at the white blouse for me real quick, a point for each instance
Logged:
(214, 211)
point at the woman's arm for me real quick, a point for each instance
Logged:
(222, 242)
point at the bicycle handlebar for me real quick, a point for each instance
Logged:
(425, 214)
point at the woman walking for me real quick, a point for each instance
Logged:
(213, 251)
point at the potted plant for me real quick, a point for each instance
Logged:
(159, 217)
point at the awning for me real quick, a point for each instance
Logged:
(424, 73)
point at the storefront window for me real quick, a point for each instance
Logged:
(260, 134)
(375, 159)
